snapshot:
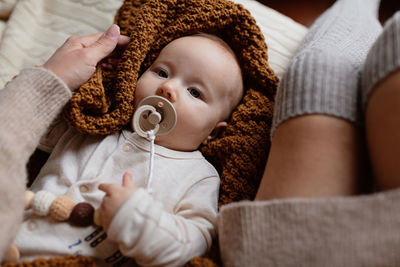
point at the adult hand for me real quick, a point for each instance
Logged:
(115, 197)
(75, 61)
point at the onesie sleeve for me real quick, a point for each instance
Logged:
(155, 237)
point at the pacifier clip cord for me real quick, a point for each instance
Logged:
(151, 137)
(155, 115)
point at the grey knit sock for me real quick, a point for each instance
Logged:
(323, 77)
(383, 58)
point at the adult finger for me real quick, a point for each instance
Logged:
(87, 41)
(120, 48)
(107, 42)
(123, 40)
(80, 41)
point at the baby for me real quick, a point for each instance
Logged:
(201, 77)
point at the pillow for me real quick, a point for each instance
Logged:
(283, 34)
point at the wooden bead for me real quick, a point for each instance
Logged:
(12, 254)
(82, 214)
(28, 198)
(61, 208)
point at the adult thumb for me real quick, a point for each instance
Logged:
(106, 43)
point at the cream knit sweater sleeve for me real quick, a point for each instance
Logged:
(342, 231)
(27, 106)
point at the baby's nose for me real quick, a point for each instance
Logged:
(167, 90)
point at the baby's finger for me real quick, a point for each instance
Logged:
(97, 217)
(127, 179)
(107, 188)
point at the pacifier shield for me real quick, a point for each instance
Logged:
(154, 113)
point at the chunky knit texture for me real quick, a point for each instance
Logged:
(105, 103)
(67, 261)
(323, 77)
(383, 58)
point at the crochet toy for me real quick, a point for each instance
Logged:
(60, 208)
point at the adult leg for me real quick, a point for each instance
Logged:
(313, 156)
(381, 93)
(316, 148)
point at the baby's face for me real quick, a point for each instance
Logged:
(202, 79)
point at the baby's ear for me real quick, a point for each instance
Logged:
(219, 128)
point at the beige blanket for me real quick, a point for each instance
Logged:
(31, 30)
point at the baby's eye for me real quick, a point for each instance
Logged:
(194, 92)
(162, 74)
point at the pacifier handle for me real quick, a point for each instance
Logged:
(154, 113)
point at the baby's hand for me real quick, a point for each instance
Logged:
(115, 197)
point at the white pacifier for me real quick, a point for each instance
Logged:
(154, 113)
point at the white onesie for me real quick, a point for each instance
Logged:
(168, 227)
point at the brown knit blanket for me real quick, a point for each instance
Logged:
(104, 104)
